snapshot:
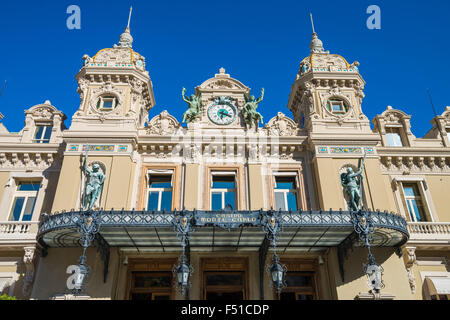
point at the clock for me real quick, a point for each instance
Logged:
(222, 111)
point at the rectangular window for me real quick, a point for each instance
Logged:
(107, 103)
(159, 195)
(286, 193)
(223, 191)
(24, 201)
(414, 202)
(393, 137)
(43, 134)
(337, 107)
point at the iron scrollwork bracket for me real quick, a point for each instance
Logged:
(363, 226)
(182, 223)
(88, 226)
(272, 226)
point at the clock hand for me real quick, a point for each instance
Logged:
(224, 114)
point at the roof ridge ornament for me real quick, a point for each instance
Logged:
(316, 45)
(126, 40)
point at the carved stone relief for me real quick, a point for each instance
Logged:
(281, 125)
(163, 124)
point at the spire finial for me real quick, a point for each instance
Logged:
(129, 18)
(126, 40)
(316, 45)
(312, 22)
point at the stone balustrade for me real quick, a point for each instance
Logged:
(428, 231)
(18, 232)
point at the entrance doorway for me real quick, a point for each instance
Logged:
(224, 285)
(300, 286)
(301, 280)
(224, 279)
(150, 279)
(151, 286)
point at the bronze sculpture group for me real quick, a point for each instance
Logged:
(249, 113)
(351, 181)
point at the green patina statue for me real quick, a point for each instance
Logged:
(352, 183)
(249, 110)
(195, 106)
(94, 184)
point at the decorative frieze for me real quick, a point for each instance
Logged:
(26, 160)
(345, 150)
(110, 148)
(418, 164)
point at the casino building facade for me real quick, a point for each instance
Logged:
(223, 198)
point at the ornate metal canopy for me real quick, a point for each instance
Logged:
(232, 230)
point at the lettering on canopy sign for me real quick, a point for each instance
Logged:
(229, 220)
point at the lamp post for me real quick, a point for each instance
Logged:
(88, 227)
(363, 226)
(183, 270)
(272, 227)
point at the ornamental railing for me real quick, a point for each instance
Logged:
(429, 230)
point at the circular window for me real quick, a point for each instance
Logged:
(337, 106)
(107, 103)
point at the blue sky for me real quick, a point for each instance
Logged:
(260, 43)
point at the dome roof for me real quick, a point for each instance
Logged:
(117, 57)
(325, 60)
(322, 61)
(120, 56)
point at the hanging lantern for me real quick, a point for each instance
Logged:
(81, 277)
(374, 274)
(183, 275)
(278, 272)
(183, 272)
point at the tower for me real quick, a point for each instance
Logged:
(326, 101)
(116, 93)
(327, 94)
(115, 89)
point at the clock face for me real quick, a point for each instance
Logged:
(222, 111)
